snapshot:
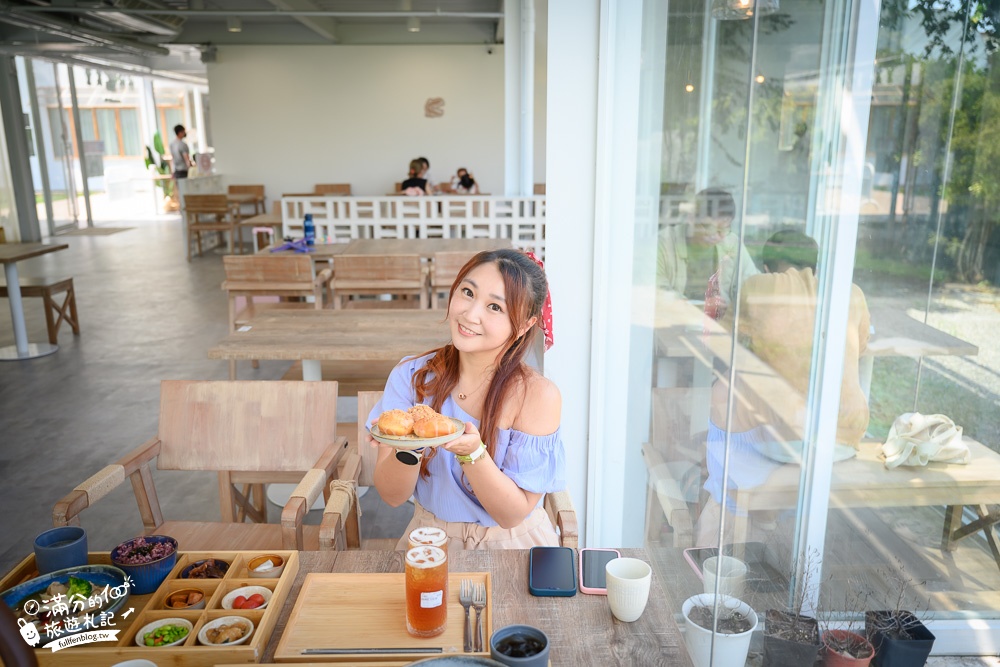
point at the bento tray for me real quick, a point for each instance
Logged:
(150, 607)
(342, 610)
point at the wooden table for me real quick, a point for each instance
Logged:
(314, 336)
(10, 255)
(581, 629)
(321, 252)
(423, 247)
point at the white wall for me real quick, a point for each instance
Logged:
(293, 116)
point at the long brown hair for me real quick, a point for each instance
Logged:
(415, 167)
(525, 288)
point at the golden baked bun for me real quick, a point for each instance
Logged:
(421, 411)
(395, 422)
(433, 427)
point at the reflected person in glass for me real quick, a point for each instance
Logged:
(702, 259)
(776, 323)
(484, 488)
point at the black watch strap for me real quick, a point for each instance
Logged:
(410, 457)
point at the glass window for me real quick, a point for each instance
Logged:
(109, 130)
(61, 129)
(131, 140)
(87, 125)
(825, 259)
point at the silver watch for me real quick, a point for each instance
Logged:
(410, 457)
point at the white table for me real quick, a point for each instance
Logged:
(10, 255)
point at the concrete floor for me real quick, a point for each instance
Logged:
(146, 315)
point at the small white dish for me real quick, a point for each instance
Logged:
(140, 637)
(247, 591)
(136, 663)
(226, 620)
(272, 573)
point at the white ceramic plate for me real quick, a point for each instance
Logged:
(412, 441)
(226, 620)
(247, 591)
(140, 637)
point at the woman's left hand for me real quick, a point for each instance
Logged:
(466, 443)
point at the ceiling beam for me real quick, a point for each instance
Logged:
(194, 13)
(323, 26)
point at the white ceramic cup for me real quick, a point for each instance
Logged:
(731, 573)
(628, 587)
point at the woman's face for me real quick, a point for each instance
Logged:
(478, 314)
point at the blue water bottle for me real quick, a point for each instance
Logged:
(310, 229)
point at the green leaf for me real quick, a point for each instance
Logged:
(158, 144)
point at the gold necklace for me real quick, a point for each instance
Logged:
(462, 395)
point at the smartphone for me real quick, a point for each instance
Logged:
(593, 577)
(551, 572)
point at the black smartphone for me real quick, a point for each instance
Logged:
(551, 572)
(593, 576)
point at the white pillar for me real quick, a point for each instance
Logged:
(512, 98)
(527, 125)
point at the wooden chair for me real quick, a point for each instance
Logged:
(247, 432)
(374, 275)
(444, 270)
(341, 527)
(256, 190)
(333, 189)
(55, 313)
(221, 217)
(266, 275)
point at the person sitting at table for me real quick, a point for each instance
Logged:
(777, 322)
(485, 487)
(415, 184)
(703, 259)
(463, 183)
(425, 172)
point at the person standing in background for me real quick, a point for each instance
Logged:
(180, 153)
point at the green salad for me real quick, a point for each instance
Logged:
(165, 634)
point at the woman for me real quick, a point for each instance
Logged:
(415, 183)
(484, 488)
(463, 183)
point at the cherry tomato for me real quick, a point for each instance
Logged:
(254, 601)
(239, 602)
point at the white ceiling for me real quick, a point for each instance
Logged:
(171, 36)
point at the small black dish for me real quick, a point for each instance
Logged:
(216, 569)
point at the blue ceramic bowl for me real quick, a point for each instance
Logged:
(147, 576)
(99, 576)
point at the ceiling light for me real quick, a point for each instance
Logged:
(726, 10)
(689, 88)
(413, 24)
(234, 24)
(759, 78)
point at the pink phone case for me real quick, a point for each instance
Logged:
(586, 589)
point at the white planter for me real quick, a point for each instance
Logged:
(730, 572)
(730, 650)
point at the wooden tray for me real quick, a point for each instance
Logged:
(150, 607)
(343, 610)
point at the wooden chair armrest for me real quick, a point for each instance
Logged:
(308, 490)
(559, 507)
(340, 527)
(67, 510)
(323, 279)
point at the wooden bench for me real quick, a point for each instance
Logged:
(351, 376)
(55, 313)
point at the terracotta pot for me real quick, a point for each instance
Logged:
(832, 658)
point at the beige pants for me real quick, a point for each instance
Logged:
(535, 531)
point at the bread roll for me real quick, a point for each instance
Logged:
(395, 422)
(433, 427)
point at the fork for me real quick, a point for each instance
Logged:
(465, 597)
(479, 603)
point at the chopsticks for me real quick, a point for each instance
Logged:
(368, 651)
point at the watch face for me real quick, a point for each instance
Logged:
(407, 457)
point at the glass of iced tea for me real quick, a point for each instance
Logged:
(426, 591)
(429, 536)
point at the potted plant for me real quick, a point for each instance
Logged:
(730, 631)
(843, 648)
(899, 638)
(791, 639)
(162, 167)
